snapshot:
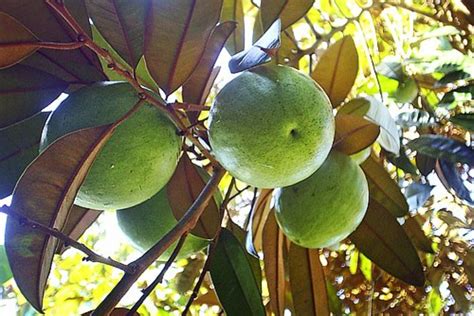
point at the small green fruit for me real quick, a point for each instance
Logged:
(272, 126)
(406, 91)
(139, 158)
(146, 223)
(325, 208)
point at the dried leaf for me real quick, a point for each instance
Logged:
(289, 11)
(257, 222)
(354, 133)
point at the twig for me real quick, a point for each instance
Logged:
(47, 45)
(91, 255)
(185, 224)
(159, 278)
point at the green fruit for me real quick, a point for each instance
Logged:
(146, 223)
(325, 208)
(139, 158)
(406, 91)
(272, 126)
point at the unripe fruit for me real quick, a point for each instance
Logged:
(272, 126)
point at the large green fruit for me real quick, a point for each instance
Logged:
(139, 158)
(272, 126)
(325, 208)
(146, 223)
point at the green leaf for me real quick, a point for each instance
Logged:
(20, 145)
(381, 238)
(383, 189)
(337, 69)
(25, 91)
(122, 23)
(374, 111)
(175, 38)
(233, 278)
(78, 65)
(289, 11)
(465, 120)
(232, 10)
(21, 42)
(401, 161)
(45, 193)
(5, 271)
(417, 236)
(308, 283)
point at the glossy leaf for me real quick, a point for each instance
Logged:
(383, 189)
(374, 111)
(25, 91)
(337, 69)
(78, 221)
(184, 187)
(45, 193)
(259, 53)
(5, 271)
(13, 32)
(78, 65)
(289, 11)
(307, 280)
(381, 238)
(417, 235)
(233, 278)
(232, 10)
(175, 38)
(417, 194)
(122, 23)
(354, 133)
(452, 180)
(441, 147)
(20, 145)
(274, 244)
(465, 120)
(401, 160)
(258, 219)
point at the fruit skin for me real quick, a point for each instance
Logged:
(148, 222)
(325, 208)
(139, 158)
(272, 126)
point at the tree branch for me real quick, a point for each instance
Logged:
(91, 255)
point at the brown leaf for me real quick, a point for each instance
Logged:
(16, 41)
(45, 193)
(197, 87)
(383, 189)
(175, 38)
(210, 298)
(184, 187)
(354, 133)
(383, 240)
(260, 213)
(337, 69)
(78, 221)
(232, 10)
(417, 235)
(273, 257)
(289, 11)
(307, 281)
(116, 312)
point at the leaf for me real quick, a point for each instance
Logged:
(374, 111)
(289, 11)
(417, 194)
(417, 235)
(274, 245)
(381, 238)
(118, 311)
(459, 294)
(25, 91)
(258, 219)
(415, 117)
(452, 180)
(459, 95)
(441, 147)
(183, 189)
(233, 278)
(13, 32)
(390, 69)
(383, 189)
(354, 133)
(5, 270)
(197, 87)
(453, 77)
(78, 221)
(232, 10)
(122, 23)
(259, 53)
(175, 38)
(465, 120)
(19, 146)
(78, 65)
(425, 164)
(337, 69)
(45, 193)
(401, 160)
(307, 280)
